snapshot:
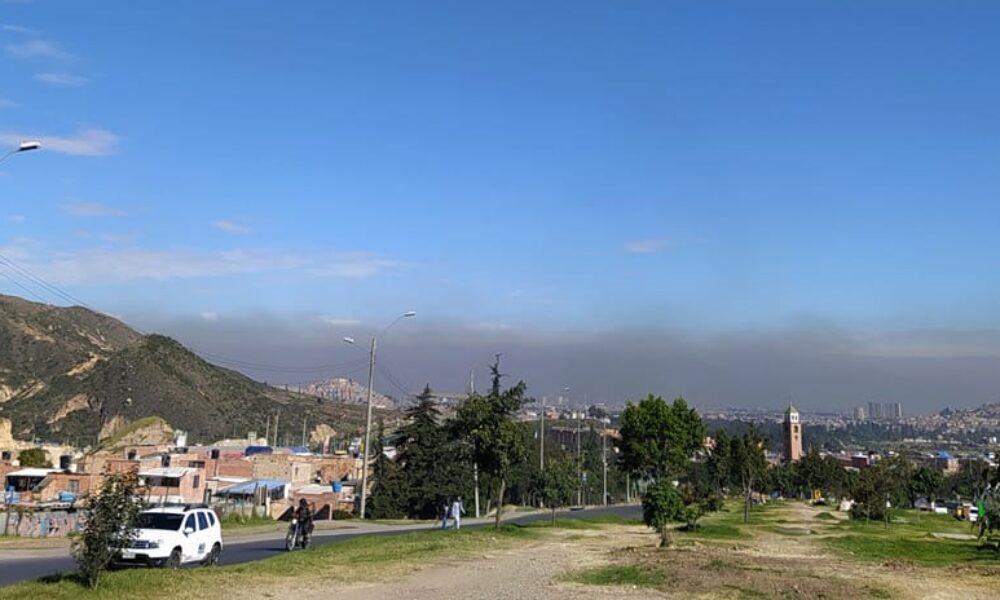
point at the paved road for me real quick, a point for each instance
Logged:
(15, 568)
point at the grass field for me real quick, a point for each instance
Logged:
(361, 559)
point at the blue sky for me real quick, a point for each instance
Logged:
(575, 167)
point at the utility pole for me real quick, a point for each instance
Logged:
(267, 431)
(475, 465)
(368, 431)
(579, 462)
(303, 431)
(604, 457)
(541, 438)
(276, 417)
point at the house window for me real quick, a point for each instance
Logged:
(196, 464)
(197, 481)
(74, 485)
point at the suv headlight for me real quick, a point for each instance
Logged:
(155, 544)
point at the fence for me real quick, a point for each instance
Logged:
(40, 524)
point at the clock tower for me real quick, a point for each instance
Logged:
(793, 435)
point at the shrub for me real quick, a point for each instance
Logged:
(109, 527)
(661, 505)
(341, 515)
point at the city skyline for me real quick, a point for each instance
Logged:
(736, 207)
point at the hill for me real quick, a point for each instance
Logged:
(66, 374)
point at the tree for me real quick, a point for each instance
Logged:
(662, 505)
(34, 457)
(386, 497)
(109, 526)
(719, 461)
(658, 439)
(558, 484)
(749, 465)
(925, 482)
(486, 424)
(429, 462)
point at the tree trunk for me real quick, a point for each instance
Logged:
(664, 536)
(500, 491)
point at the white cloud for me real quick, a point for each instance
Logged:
(15, 218)
(7, 103)
(19, 29)
(234, 227)
(92, 209)
(38, 49)
(353, 265)
(86, 142)
(113, 238)
(61, 79)
(339, 322)
(126, 264)
(645, 246)
(209, 316)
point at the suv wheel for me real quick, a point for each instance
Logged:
(174, 560)
(212, 560)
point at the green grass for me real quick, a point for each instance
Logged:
(716, 531)
(596, 522)
(637, 575)
(826, 516)
(238, 521)
(361, 559)
(909, 539)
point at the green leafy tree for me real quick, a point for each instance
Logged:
(34, 457)
(387, 500)
(749, 466)
(720, 461)
(109, 527)
(429, 463)
(559, 485)
(871, 492)
(926, 482)
(662, 505)
(495, 441)
(659, 439)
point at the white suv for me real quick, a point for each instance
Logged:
(170, 536)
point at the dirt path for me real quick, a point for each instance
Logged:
(784, 558)
(531, 571)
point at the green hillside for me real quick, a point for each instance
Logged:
(66, 371)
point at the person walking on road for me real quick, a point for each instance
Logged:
(444, 515)
(457, 510)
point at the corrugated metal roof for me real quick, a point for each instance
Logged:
(250, 486)
(32, 472)
(166, 472)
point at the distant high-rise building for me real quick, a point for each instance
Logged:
(875, 410)
(894, 410)
(793, 435)
(859, 413)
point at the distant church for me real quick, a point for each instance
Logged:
(793, 435)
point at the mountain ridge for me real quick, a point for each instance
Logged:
(67, 372)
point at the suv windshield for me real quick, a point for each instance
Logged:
(169, 522)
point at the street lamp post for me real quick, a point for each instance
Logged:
(368, 419)
(22, 147)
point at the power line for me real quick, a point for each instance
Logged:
(277, 368)
(23, 288)
(45, 285)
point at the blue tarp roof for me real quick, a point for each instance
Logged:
(943, 455)
(248, 487)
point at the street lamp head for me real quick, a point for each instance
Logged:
(349, 340)
(410, 313)
(28, 145)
